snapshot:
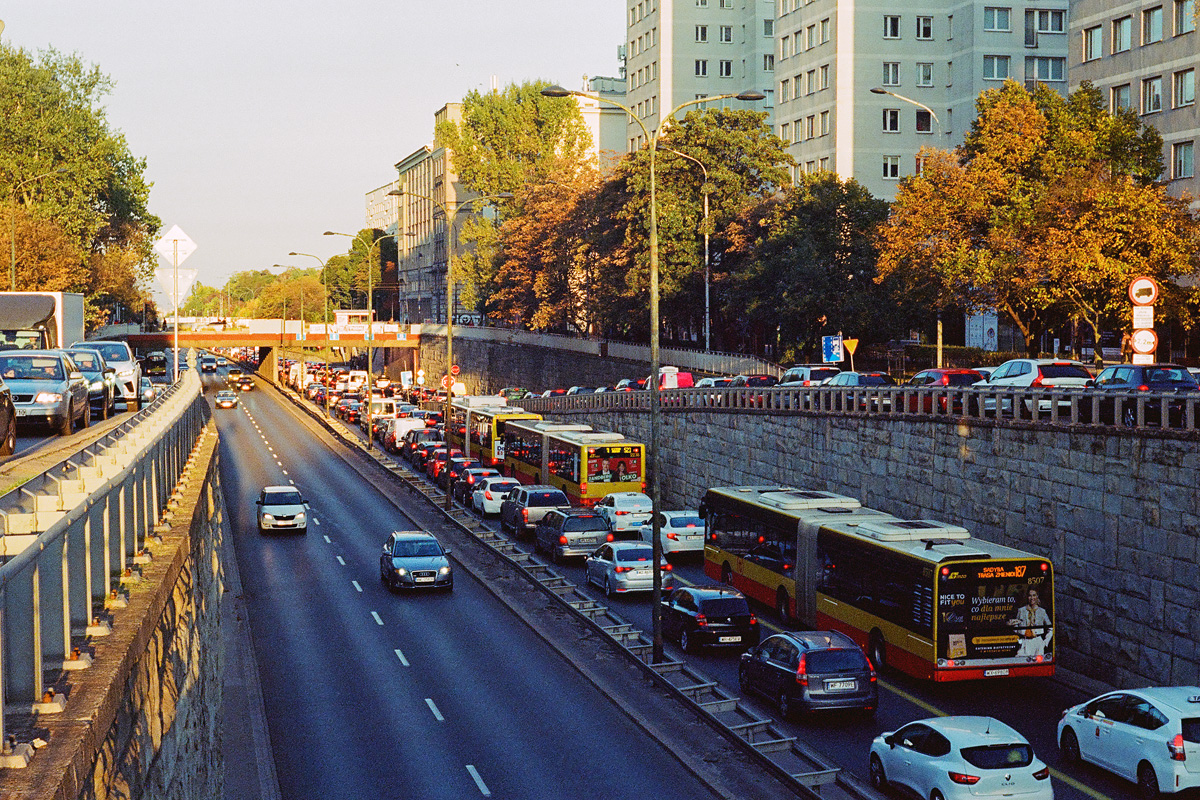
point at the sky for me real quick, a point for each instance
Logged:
(264, 123)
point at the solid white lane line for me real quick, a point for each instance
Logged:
(403, 660)
(378, 621)
(341, 561)
(483, 790)
(436, 714)
(356, 586)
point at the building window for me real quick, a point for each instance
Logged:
(997, 19)
(1120, 97)
(1093, 43)
(810, 126)
(995, 68)
(1152, 95)
(812, 81)
(785, 132)
(891, 73)
(726, 69)
(1051, 21)
(726, 33)
(701, 33)
(1185, 88)
(702, 67)
(949, 27)
(824, 123)
(701, 3)
(924, 74)
(1122, 34)
(768, 27)
(1044, 68)
(891, 120)
(891, 168)
(810, 37)
(1185, 16)
(823, 164)
(823, 77)
(769, 62)
(825, 30)
(924, 27)
(726, 3)
(924, 121)
(891, 27)
(1183, 160)
(785, 90)
(919, 165)
(1152, 25)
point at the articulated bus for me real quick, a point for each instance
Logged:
(585, 464)
(486, 425)
(918, 595)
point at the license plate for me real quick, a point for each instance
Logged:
(22, 412)
(424, 580)
(728, 639)
(834, 686)
(693, 538)
(994, 673)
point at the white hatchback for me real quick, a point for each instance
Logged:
(625, 512)
(488, 496)
(959, 757)
(679, 531)
(1032, 376)
(1149, 736)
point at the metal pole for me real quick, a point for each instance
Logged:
(449, 342)
(370, 336)
(175, 300)
(707, 312)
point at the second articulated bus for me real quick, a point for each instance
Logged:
(585, 464)
(918, 595)
(486, 425)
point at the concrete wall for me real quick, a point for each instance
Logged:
(1118, 513)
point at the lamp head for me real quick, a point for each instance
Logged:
(751, 95)
(330, 233)
(556, 91)
(877, 90)
(396, 193)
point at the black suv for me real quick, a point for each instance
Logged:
(1128, 380)
(709, 616)
(810, 670)
(566, 532)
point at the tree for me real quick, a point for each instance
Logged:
(1015, 218)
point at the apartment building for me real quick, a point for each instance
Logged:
(605, 121)
(682, 50)
(1143, 56)
(863, 85)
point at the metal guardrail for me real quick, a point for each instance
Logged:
(74, 537)
(1133, 410)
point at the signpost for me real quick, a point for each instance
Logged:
(177, 246)
(1143, 291)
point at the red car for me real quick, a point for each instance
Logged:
(934, 378)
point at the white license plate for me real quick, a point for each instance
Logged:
(22, 412)
(424, 580)
(834, 686)
(994, 673)
(728, 639)
(694, 538)
(641, 573)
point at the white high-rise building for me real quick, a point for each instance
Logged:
(928, 62)
(681, 50)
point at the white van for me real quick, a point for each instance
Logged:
(356, 379)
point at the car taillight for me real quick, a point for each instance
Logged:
(667, 567)
(563, 540)
(701, 621)
(1143, 388)
(1175, 747)
(1042, 774)
(959, 777)
(802, 672)
(621, 513)
(672, 536)
(622, 569)
(487, 493)
(1036, 382)
(608, 538)
(525, 514)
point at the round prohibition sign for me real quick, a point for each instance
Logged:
(1143, 291)
(1145, 341)
(446, 381)
(454, 369)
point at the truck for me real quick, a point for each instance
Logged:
(40, 320)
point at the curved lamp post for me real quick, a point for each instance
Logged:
(324, 282)
(12, 220)
(655, 409)
(705, 191)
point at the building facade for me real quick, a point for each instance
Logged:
(1143, 56)
(863, 85)
(682, 50)
(605, 121)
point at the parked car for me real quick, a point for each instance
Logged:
(581, 390)
(1126, 381)
(810, 671)
(679, 532)
(709, 616)
(282, 508)
(103, 386)
(933, 379)
(1150, 736)
(415, 560)
(490, 493)
(226, 399)
(623, 567)
(808, 374)
(468, 479)
(625, 512)
(567, 532)
(47, 388)
(1028, 375)
(119, 356)
(959, 757)
(861, 380)
(526, 505)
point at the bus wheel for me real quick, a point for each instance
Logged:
(878, 650)
(727, 575)
(783, 605)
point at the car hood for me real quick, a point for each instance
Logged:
(283, 510)
(27, 385)
(420, 562)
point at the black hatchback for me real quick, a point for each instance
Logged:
(704, 616)
(810, 671)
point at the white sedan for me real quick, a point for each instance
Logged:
(946, 758)
(679, 531)
(488, 496)
(1150, 736)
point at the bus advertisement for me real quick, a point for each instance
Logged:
(918, 595)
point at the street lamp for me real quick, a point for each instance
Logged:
(881, 90)
(449, 218)
(704, 190)
(324, 282)
(12, 223)
(655, 409)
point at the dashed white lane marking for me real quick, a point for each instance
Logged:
(341, 561)
(328, 540)
(436, 714)
(285, 472)
(316, 521)
(483, 789)
(403, 660)
(378, 621)
(357, 588)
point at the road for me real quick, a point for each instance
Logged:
(1032, 706)
(370, 694)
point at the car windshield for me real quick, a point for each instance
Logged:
(547, 499)
(761, 380)
(502, 486)
(821, 374)
(724, 607)
(111, 352)
(283, 499)
(87, 362)
(876, 380)
(592, 523)
(1191, 731)
(842, 660)
(31, 368)
(635, 554)
(1064, 371)
(416, 548)
(999, 756)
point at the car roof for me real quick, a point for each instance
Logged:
(411, 535)
(820, 640)
(966, 731)
(276, 489)
(1184, 700)
(714, 592)
(628, 495)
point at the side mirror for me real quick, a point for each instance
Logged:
(447, 551)
(75, 376)
(890, 740)
(1090, 384)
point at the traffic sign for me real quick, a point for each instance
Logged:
(831, 349)
(1145, 341)
(446, 381)
(1143, 317)
(850, 344)
(454, 369)
(1143, 291)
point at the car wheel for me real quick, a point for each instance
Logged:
(727, 575)
(1147, 781)
(685, 642)
(608, 590)
(878, 650)
(936, 795)
(1069, 747)
(783, 605)
(86, 419)
(785, 705)
(878, 776)
(1129, 416)
(744, 679)
(67, 422)
(9, 445)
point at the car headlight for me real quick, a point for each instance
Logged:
(401, 571)
(444, 570)
(268, 517)
(48, 397)
(126, 373)
(97, 385)
(300, 517)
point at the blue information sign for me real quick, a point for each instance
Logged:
(831, 349)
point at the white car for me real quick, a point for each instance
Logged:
(679, 531)
(488, 496)
(946, 758)
(625, 512)
(621, 567)
(1150, 736)
(282, 508)
(1032, 375)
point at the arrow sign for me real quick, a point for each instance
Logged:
(175, 246)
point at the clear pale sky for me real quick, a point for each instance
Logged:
(265, 123)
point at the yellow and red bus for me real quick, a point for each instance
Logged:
(922, 596)
(486, 425)
(585, 464)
